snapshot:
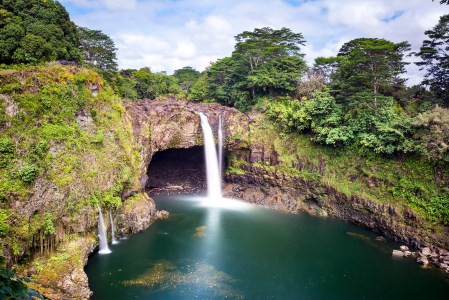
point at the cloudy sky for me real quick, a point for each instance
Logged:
(169, 34)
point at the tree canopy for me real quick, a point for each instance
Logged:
(187, 77)
(265, 62)
(33, 31)
(371, 64)
(98, 49)
(435, 59)
(142, 83)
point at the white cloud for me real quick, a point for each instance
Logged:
(169, 34)
(119, 4)
(185, 50)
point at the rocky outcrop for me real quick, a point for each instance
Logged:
(62, 276)
(138, 213)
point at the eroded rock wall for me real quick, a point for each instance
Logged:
(165, 124)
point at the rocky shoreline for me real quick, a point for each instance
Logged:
(427, 255)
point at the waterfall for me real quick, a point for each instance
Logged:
(114, 241)
(220, 147)
(212, 173)
(102, 237)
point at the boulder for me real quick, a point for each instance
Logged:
(426, 251)
(162, 214)
(407, 253)
(423, 260)
(443, 252)
(398, 253)
(404, 248)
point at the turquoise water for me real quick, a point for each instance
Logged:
(248, 252)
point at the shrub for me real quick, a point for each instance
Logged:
(48, 226)
(28, 172)
(7, 145)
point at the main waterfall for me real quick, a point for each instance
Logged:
(212, 172)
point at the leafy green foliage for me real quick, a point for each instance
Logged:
(6, 145)
(187, 77)
(384, 130)
(29, 172)
(142, 83)
(48, 226)
(33, 31)
(198, 91)
(432, 133)
(11, 285)
(434, 57)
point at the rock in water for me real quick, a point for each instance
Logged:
(398, 253)
(404, 248)
(426, 251)
(423, 260)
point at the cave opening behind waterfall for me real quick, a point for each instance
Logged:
(177, 171)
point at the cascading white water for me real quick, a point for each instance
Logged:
(212, 173)
(102, 237)
(114, 241)
(220, 147)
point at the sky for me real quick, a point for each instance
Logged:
(166, 35)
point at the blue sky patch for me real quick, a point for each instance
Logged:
(297, 3)
(393, 17)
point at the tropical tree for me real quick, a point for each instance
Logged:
(98, 49)
(326, 67)
(270, 60)
(371, 64)
(223, 83)
(435, 59)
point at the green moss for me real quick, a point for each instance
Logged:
(236, 171)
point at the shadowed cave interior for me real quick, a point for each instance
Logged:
(177, 171)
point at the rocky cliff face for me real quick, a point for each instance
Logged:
(269, 171)
(170, 124)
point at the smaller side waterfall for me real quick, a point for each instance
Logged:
(114, 241)
(102, 237)
(220, 147)
(213, 178)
